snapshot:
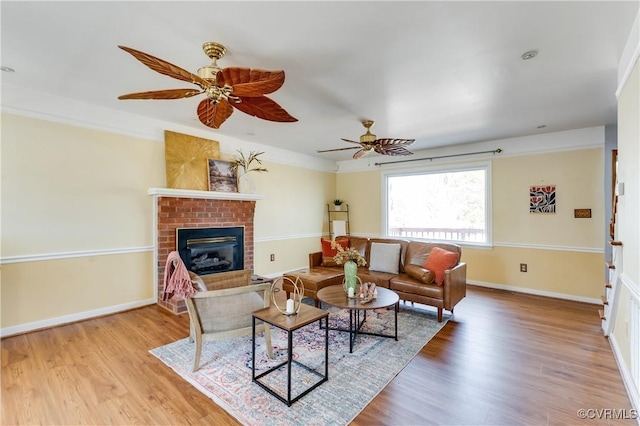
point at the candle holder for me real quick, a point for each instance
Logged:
(296, 296)
(355, 289)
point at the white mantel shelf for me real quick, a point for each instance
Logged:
(211, 195)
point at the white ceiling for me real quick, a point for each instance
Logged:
(444, 73)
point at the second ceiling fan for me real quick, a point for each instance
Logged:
(369, 142)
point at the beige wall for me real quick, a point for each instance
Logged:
(578, 176)
(76, 234)
(290, 219)
(67, 189)
(37, 291)
(363, 192)
(564, 255)
(562, 273)
(628, 230)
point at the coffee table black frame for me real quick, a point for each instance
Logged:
(336, 296)
(289, 323)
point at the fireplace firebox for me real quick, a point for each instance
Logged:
(207, 251)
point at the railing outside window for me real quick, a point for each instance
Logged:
(456, 234)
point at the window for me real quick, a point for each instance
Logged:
(448, 204)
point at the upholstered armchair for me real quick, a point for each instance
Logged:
(222, 308)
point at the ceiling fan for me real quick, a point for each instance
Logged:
(369, 142)
(225, 88)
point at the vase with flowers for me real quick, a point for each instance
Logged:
(242, 165)
(351, 259)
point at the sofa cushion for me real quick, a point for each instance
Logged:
(328, 252)
(403, 249)
(381, 279)
(420, 273)
(360, 244)
(438, 261)
(385, 257)
(405, 284)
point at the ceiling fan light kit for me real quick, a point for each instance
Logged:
(225, 88)
(370, 142)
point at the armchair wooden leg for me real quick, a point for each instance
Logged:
(439, 314)
(196, 361)
(267, 339)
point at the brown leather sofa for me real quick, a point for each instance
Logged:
(412, 257)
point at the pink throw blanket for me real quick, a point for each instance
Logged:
(176, 278)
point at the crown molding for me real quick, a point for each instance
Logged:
(630, 56)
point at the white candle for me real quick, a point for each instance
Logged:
(290, 306)
(350, 291)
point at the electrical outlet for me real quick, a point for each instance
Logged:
(272, 257)
(523, 267)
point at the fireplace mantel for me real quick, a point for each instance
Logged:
(211, 195)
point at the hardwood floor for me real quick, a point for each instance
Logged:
(502, 359)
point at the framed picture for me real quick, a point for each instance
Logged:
(222, 177)
(542, 199)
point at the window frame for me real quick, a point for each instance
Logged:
(443, 168)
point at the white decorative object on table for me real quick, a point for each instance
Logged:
(290, 307)
(293, 304)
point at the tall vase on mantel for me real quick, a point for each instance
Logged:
(350, 276)
(245, 183)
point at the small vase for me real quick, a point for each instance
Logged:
(350, 276)
(245, 183)
(337, 207)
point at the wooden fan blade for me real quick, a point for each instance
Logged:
(347, 140)
(391, 150)
(360, 153)
(233, 75)
(394, 142)
(166, 68)
(163, 94)
(250, 83)
(265, 108)
(213, 115)
(338, 149)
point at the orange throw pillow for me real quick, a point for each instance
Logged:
(439, 260)
(328, 252)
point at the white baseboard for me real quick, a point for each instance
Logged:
(565, 296)
(632, 390)
(66, 319)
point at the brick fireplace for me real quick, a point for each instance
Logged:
(176, 208)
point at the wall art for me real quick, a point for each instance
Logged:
(186, 160)
(222, 177)
(542, 199)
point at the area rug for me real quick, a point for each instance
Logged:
(354, 378)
